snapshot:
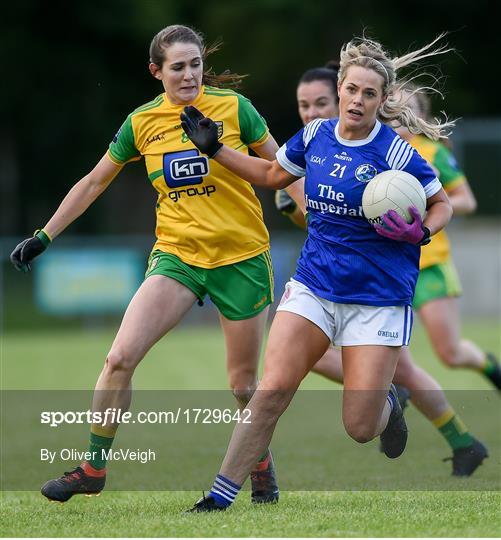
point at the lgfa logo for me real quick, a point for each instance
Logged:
(365, 172)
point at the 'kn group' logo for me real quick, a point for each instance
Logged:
(365, 172)
(184, 168)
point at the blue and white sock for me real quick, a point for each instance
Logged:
(224, 491)
(391, 400)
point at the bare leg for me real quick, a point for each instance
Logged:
(243, 341)
(294, 345)
(157, 306)
(441, 320)
(243, 346)
(368, 373)
(330, 365)
(426, 394)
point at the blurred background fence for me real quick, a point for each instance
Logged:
(88, 280)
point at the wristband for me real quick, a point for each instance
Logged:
(214, 150)
(426, 238)
(43, 237)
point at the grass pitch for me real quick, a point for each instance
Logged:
(298, 514)
(194, 359)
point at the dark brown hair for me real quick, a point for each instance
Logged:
(177, 33)
(327, 74)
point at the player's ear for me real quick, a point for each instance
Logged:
(383, 99)
(155, 71)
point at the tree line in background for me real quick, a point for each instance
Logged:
(72, 71)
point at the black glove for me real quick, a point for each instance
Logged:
(201, 131)
(284, 202)
(28, 249)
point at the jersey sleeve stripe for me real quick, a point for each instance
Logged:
(397, 148)
(261, 140)
(311, 130)
(287, 164)
(308, 129)
(402, 149)
(112, 158)
(394, 153)
(405, 158)
(394, 143)
(432, 188)
(306, 133)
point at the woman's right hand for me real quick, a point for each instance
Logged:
(202, 131)
(28, 249)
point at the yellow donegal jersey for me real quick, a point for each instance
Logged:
(206, 215)
(449, 174)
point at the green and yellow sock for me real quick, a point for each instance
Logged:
(101, 439)
(489, 365)
(453, 429)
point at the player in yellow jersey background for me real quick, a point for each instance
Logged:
(211, 240)
(438, 285)
(317, 98)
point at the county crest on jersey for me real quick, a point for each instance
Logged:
(344, 259)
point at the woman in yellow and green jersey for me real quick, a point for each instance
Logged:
(211, 239)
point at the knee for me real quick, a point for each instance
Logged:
(273, 396)
(118, 360)
(243, 384)
(448, 354)
(274, 402)
(243, 395)
(359, 431)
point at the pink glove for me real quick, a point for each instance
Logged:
(397, 228)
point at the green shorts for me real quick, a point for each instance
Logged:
(437, 281)
(239, 291)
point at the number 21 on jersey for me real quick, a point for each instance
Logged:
(338, 171)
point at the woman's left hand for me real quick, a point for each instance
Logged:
(396, 228)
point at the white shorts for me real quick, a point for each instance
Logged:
(349, 324)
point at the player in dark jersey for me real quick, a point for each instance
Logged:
(354, 282)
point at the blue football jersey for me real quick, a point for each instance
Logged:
(344, 259)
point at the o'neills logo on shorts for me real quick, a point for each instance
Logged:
(387, 333)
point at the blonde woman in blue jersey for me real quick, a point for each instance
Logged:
(211, 241)
(317, 98)
(354, 282)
